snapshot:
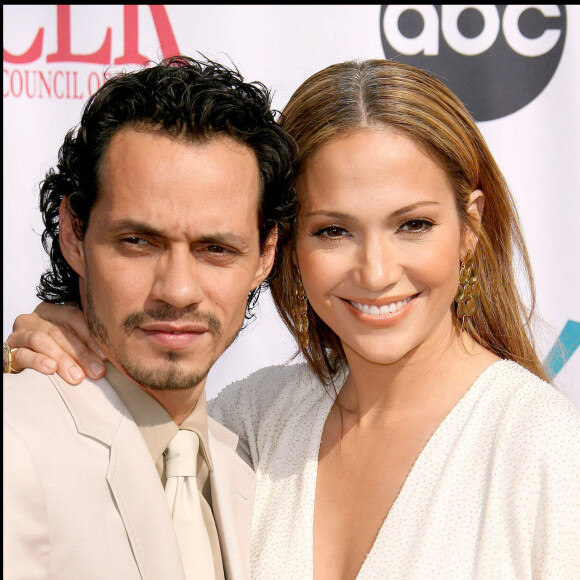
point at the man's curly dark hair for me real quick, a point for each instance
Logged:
(181, 97)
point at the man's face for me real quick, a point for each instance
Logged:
(170, 254)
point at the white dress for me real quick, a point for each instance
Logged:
(494, 494)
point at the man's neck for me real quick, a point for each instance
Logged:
(178, 403)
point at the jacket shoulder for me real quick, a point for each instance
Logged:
(27, 392)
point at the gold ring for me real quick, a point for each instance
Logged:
(7, 359)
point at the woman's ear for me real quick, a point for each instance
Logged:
(474, 209)
(70, 245)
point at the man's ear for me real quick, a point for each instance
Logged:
(267, 256)
(70, 245)
(474, 209)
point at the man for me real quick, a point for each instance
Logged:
(161, 224)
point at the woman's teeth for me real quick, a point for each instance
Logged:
(382, 310)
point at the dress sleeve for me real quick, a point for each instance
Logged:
(556, 539)
(243, 406)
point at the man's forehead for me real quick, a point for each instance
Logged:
(135, 136)
(168, 183)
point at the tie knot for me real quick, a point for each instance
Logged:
(181, 455)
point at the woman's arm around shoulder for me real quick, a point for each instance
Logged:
(246, 405)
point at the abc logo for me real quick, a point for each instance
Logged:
(496, 58)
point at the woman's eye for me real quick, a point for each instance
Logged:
(416, 226)
(332, 232)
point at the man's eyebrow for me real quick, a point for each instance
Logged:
(227, 239)
(137, 227)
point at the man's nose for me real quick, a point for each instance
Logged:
(177, 279)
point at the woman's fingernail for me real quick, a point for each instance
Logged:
(101, 353)
(75, 373)
(97, 368)
(50, 365)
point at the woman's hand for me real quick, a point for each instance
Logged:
(55, 337)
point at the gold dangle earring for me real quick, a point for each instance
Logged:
(300, 313)
(467, 289)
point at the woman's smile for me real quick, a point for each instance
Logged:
(379, 313)
(384, 310)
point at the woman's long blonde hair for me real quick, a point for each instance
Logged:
(380, 93)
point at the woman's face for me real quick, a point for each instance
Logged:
(379, 244)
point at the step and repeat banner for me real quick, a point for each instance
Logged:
(517, 68)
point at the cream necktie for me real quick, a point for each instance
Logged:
(184, 503)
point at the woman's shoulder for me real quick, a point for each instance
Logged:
(520, 384)
(268, 386)
(263, 400)
(539, 410)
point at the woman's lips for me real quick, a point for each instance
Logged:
(381, 314)
(381, 310)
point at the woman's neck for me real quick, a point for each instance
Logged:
(428, 377)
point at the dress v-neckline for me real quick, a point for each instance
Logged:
(429, 445)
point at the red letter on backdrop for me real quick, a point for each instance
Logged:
(165, 35)
(63, 50)
(32, 54)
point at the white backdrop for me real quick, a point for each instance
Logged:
(46, 80)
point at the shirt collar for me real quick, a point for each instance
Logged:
(153, 421)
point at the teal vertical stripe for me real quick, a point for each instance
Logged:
(567, 343)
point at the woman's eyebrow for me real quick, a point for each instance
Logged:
(412, 207)
(345, 216)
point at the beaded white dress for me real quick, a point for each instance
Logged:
(494, 494)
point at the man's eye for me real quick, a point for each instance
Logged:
(221, 251)
(135, 241)
(216, 249)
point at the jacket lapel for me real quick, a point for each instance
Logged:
(233, 487)
(138, 493)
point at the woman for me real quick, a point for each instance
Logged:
(420, 440)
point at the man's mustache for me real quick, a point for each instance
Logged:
(167, 313)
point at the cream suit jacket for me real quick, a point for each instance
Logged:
(82, 497)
